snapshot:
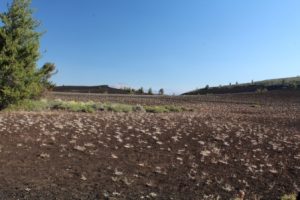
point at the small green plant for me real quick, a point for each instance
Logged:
(138, 108)
(289, 197)
(261, 90)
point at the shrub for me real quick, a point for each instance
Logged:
(138, 108)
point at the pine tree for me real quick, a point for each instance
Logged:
(161, 91)
(45, 73)
(19, 52)
(150, 91)
(140, 91)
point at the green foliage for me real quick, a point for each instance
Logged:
(129, 90)
(281, 81)
(74, 106)
(88, 107)
(163, 109)
(156, 109)
(161, 91)
(45, 73)
(138, 108)
(140, 91)
(118, 107)
(174, 109)
(29, 105)
(289, 197)
(150, 91)
(253, 86)
(19, 52)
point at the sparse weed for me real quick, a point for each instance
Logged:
(138, 108)
(289, 197)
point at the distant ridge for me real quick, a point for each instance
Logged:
(102, 89)
(291, 83)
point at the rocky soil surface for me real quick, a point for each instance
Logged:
(213, 152)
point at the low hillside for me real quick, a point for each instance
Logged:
(292, 83)
(90, 89)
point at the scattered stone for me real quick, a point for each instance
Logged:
(79, 148)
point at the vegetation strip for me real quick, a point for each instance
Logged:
(89, 107)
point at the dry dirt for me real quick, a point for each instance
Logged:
(213, 152)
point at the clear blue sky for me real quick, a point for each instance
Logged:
(175, 44)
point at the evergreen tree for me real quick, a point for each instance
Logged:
(19, 52)
(161, 91)
(150, 91)
(140, 91)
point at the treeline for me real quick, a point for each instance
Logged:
(142, 91)
(20, 77)
(258, 87)
(105, 89)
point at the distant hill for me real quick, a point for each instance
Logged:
(292, 83)
(102, 89)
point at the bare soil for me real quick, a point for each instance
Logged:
(220, 148)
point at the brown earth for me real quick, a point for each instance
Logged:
(225, 145)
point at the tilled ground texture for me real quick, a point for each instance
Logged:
(212, 152)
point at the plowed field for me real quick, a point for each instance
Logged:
(213, 152)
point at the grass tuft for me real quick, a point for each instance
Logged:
(289, 197)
